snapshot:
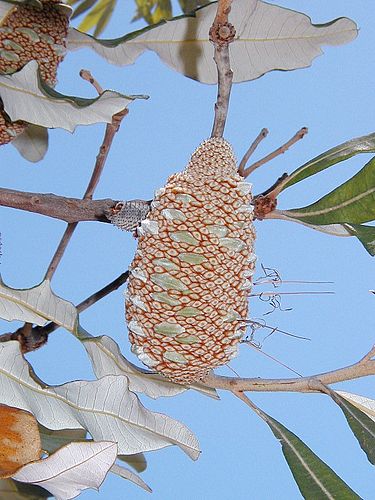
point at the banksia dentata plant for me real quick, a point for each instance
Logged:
(189, 282)
(29, 33)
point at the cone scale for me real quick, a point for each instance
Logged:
(28, 33)
(192, 272)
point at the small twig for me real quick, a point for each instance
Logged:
(262, 135)
(95, 297)
(282, 149)
(221, 34)
(38, 335)
(240, 395)
(86, 75)
(274, 186)
(101, 158)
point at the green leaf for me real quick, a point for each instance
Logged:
(137, 461)
(82, 7)
(104, 19)
(362, 426)
(365, 234)
(315, 479)
(153, 11)
(188, 6)
(353, 202)
(15, 490)
(268, 38)
(364, 144)
(52, 440)
(94, 16)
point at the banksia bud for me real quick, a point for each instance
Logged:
(28, 33)
(192, 272)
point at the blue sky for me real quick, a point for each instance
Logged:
(334, 98)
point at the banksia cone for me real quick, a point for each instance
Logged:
(28, 33)
(192, 272)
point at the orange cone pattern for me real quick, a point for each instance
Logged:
(192, 272)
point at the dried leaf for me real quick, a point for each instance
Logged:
(268, 38)
(107, 359)
(72, 469)
(37, 305)
(19, 439)
(105, 408)
(130, 476)
(27, 98)
(32, 144)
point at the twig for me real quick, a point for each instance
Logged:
(86, 75)
(38, 335)
(109, 135)
(28, 337)
(67, 209)
(221, 34)
(363, 368)
(282, 149)
(262, 135)
(95, 297)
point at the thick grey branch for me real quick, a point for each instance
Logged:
(59, 207)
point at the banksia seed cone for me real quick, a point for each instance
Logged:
(28, 33)
(191, 275)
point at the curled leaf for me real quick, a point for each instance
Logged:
(268, 38)
(130, 476)
(32, 144)
(107, 358)
(26, 97)
(105, 408)
(72, 469)
(36, 305)
(342, 152)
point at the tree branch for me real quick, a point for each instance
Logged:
(281, 150)
(59, 207)
(221, 34)
(363, 368)
(110, 132)
(262, 135)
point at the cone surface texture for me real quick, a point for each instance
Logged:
(28, 33)
(192, 272)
